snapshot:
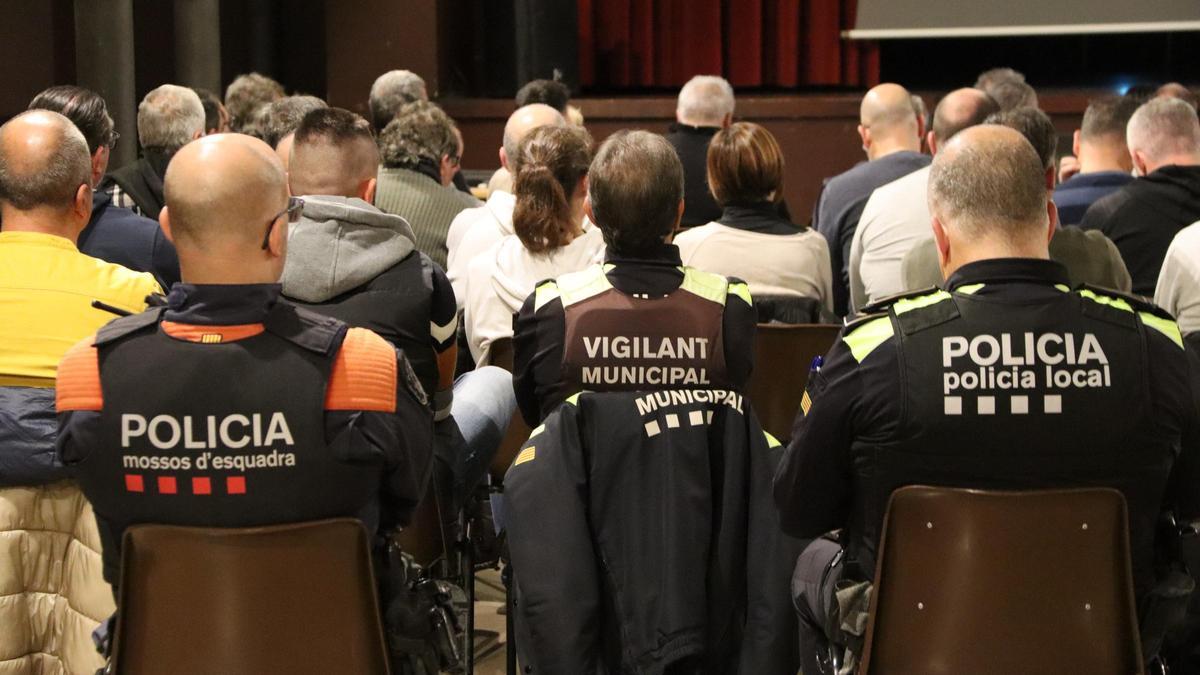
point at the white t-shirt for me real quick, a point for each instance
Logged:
(771, 264)
(1178, 288)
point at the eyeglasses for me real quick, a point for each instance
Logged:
(113, 137)
(295, 208)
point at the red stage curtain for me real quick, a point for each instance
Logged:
(753, 43)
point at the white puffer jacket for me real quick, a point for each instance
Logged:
(52, 592)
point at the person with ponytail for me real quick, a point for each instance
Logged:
(551, 235)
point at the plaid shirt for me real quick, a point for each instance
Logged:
(122, 199)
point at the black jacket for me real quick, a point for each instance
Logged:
(643, 539)
(691, 144)
(1144, 216)
(142, 181)
(539, 332)
(120, 236)
(950, 388)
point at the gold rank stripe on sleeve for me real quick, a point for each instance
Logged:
(526, 455)
(805, 403)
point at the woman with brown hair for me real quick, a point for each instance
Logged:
(551, 236)
(751, 240)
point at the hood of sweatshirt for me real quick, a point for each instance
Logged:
(1172, 190)
(341, 243)
(516, 270)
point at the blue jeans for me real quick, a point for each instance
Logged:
(467, 441)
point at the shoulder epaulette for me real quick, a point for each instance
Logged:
(127, 325)
(858, 321)
(1151, 315)
(305, 328)
(1136, 302)
(883, 304)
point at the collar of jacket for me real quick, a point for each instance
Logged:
(757, 217)
(657, 273)
(221, 304)
(1009, 270)
(680, 127)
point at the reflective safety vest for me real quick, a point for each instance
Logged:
(620, 342)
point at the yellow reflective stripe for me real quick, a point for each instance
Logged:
(772, 442)
(969, 289)
(1116, 303)
(1063, 287)
(868, 336)
(1164, 326)
(709, 286)
(579, 286)
(909, 304)
(742, 291)
(545, 294)
(574, 399)
(538, 430)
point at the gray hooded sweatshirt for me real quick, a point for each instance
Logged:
(340, 244)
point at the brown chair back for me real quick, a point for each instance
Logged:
(517, 432)
(281, 599)
(783, 356)
(972, 581)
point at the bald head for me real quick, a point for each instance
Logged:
(220, 192)
(520, 123)
(333, 154)
(888, 121)
(44, 160)
(961, 109)
(987, 185)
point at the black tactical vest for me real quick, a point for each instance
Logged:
(220, 434)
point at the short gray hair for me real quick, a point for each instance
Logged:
(1162, 127)
(992, 184)
(53, 176)
(705, 100)
(246, 94)
(421, 132)
(283, 116)
(392, 90)
(169, 118)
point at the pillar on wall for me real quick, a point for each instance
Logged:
(198, 44)
(104, 64)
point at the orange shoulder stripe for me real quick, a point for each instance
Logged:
(364, 374)
(78, 386)
(211, 334)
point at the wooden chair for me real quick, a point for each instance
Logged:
(783, 356)
(282, 599)
(971, 581)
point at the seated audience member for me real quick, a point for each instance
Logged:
(216, 117)
(1088, 256)
(392, 91)
(46, 291)
(477, 229)
(548, 92)
(284, 115)
(245, 98)
(866, 433)
(168, 118)
(1144, 216)
(420, 156)
(1178, 288)
(343, 432)
(349, 260)
(896, 216)
(891, 137)
(705, 107)
(1176, 90)
(1102, 157)
(113, 234)
(1008, 88)
(549, 235)
(642, 320)
(751, 241)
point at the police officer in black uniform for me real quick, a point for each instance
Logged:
(640, 321)
(230, 406)
(1006, 379)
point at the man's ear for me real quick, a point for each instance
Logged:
(1050, 177)
(82, 205)
(99, 164)
(864, 134)
(277, 241)
(726, 120)
(1075, 143)
(1052, 213)
(920, 128)
(1139, 162)
(587, 209)
(367, 191)
(198, 134)
(503, 158)
(931, 141)
(678, 220)
(164, 220)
